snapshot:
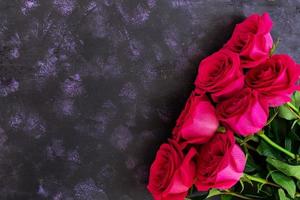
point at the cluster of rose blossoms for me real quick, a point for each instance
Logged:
(234, 89)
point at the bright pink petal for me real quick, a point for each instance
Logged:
(265, 24)
(184, 177)
(232, 173)
(252, 121)
(201, 122)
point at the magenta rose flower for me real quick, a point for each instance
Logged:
(220, 74)
(252, 40)
(275, 80)
(245, 113)
(197, 122)
(220, 163)
(172, 173)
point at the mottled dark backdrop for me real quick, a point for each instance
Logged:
(90, 88)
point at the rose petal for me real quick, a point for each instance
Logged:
(230, 175)
(199, 121)
(184, 176)
(244, 115)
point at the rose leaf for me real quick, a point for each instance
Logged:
(286, 113)
(285, 182)
(282, 195)
(289, 170)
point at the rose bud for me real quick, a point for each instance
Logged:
(220, 74)
(172, 173)
(252, 40)
(220, 163)
(275, 80)
(197, 122)
(245, 113)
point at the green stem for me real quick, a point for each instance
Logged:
(245, 144)
(292, 106)
(272, 118)
(225, 192)
(260, 180)
(221, 129)
(276, 146)
(237, 195)
(274, 47)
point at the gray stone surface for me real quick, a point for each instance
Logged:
(89, 89)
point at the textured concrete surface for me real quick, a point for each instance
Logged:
(89, 89)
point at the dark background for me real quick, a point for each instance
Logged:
(89, 89)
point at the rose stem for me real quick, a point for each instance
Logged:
(225, 192)
(237, 195)
(245, 144)
(259, 180)
(272, 118)
(292, 106)
(276, 146)
(274, 47)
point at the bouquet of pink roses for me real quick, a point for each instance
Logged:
(237, 136)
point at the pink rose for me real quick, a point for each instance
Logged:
(245, 113)
(220, 75)
(172, 173)
(198, 121)
(252, 40)
(220, 163)
(275, 80)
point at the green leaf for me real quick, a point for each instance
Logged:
(284, 112)
(265, 149)
(296, 99)
(213, 192)
(285, 182)
(289, 170)
(288, 143)
(270, 172)
(226, 197)
(274, 47)
(281, 194)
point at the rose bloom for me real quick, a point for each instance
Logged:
(172, 173)
(275, 79)
(252, 40)
(197, 122)
(245, 113)
(220, 163)
(220, 74)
